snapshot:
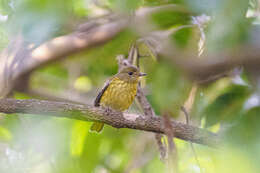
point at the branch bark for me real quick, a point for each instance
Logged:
(111, 117)
(133, 58)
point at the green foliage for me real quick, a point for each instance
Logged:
(169, 89)
(204, 6)
(5, 8)
(3, 38)
(230, 26)
(166, 19)
(246, 130)
(44, 77)
(31, 143)
(79, 8)
(182, 37)
(227, 106)
(78, 137)
(126, 5)
(105, 58)
(40, 20)
(5, 134)
(244, 135)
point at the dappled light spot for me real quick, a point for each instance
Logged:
(41, 53)
(130, 117)
(79, 134)
(83, 84)
(100, 35)
(79, 42)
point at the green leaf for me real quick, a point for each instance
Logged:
(227, 106)
(229, 26)
(247, 130)
(5, 7)
(169, 88)
(182, 36)
(245, 135)
(83, 84)
(78, 137)
(5, 134)
(169, 18)
(125, 5)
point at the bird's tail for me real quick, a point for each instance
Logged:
(97, 127)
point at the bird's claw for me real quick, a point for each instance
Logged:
(108, 110)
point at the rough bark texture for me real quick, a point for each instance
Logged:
(110, 117)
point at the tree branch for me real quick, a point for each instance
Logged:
(72, 43)
(209, 67)
(111, 117)
(133, 57)
(18, 60)
(16, 64)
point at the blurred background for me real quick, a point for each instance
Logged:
(222, 99)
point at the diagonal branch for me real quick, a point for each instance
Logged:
(16, 63)
(52, 50)
(68, 44)
(113, 118)
(133, 58)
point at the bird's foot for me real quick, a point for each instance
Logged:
(108, 110)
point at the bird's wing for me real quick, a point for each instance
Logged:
(100, 94)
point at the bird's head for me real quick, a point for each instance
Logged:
(130, 74)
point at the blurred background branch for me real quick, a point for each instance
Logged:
(92, 33)
(98, 31)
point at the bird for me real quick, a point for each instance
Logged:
(118, 93)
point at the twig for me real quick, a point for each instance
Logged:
(161, 146)
(141, 154)
(191, 145)
(172, 161)
(133, 57)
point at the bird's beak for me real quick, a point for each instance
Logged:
(142, 74)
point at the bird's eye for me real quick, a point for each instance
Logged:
(130, 73)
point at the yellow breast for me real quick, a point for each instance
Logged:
(119, 95)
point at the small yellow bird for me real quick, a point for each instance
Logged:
(118, 92)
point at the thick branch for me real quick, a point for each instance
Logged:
(209, 67)
(113, 118)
